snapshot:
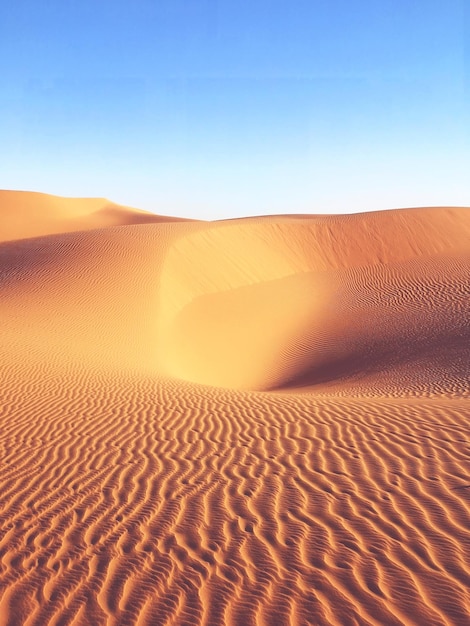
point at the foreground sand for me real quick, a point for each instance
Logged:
(259, 421)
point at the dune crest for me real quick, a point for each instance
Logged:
(26, 214)
(257, 421)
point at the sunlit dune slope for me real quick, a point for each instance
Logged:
(89, 296)
(30, 214)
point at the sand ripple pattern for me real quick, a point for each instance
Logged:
(126, 502)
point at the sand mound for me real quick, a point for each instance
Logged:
(264, 304)
(31, 214)
(308, 480)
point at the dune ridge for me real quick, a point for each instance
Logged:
(28, 214)
(257, 421)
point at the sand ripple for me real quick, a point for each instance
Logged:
(177, 504)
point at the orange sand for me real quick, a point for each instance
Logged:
(257, 421)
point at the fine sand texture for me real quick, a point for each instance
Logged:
(259, 421)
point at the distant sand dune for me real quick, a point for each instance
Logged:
(258, 421)
(31, 214)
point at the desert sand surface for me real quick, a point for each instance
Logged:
(259, 421)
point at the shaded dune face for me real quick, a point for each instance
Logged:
(229, 314)
(279, 303)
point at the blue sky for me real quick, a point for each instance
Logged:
(215, 109)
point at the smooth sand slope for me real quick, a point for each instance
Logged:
(28, 214)
(258, 421)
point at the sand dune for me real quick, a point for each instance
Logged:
(277, 302)
(257, 421)
(30, 214)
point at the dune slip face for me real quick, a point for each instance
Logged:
(254, 421)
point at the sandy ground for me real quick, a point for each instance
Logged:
(256, 421)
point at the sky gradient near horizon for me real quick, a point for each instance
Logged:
(222, 108)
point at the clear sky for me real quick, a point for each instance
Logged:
(220, 108)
